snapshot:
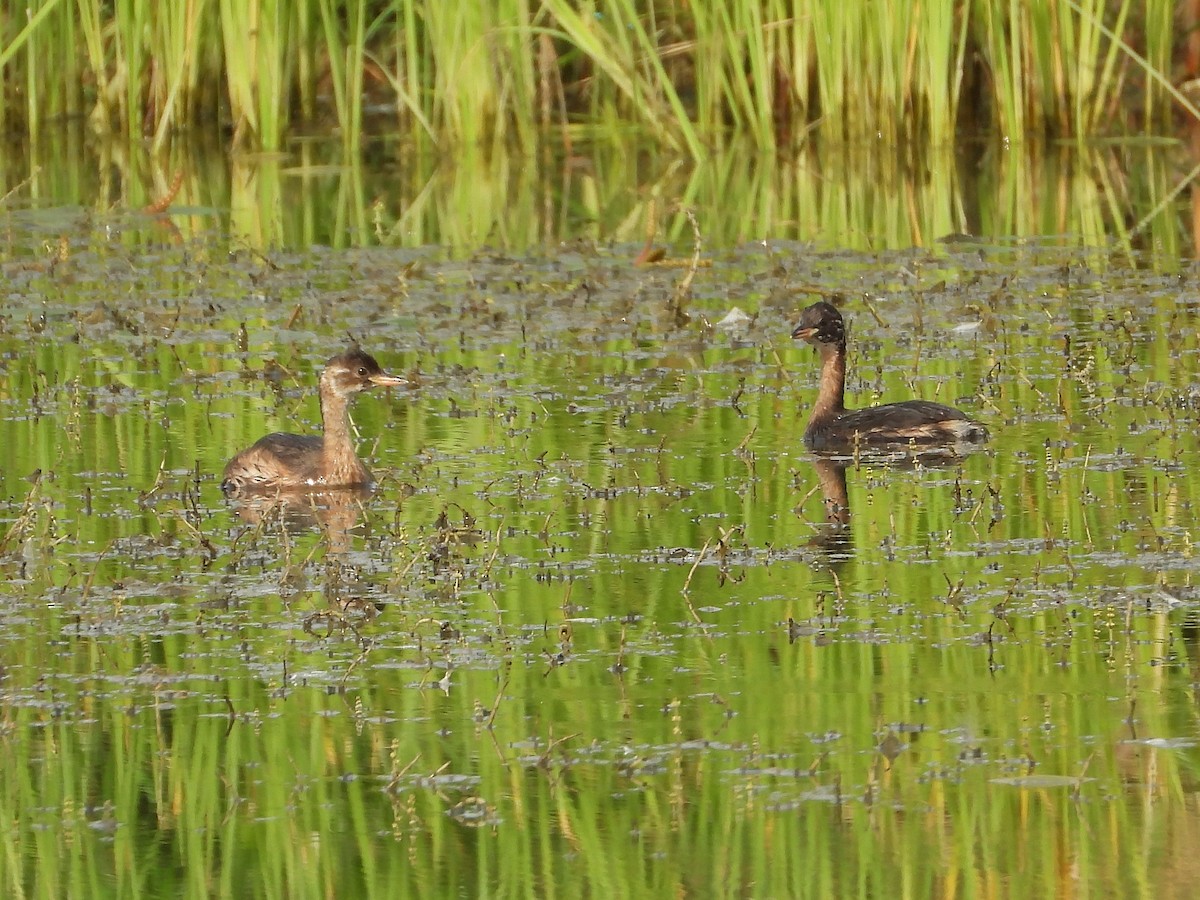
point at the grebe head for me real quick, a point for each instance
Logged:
(820, 324)
(354, 371)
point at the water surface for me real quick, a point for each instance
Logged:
(594, 633)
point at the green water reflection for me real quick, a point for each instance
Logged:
(594, 633)
(1110, 200)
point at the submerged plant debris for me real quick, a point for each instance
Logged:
(601, 591)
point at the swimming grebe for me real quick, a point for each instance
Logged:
(833, 427)
(293, 462)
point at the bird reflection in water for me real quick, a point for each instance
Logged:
(336, 514)
(833, 537)
(833, 541)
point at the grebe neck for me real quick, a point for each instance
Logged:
(335, 427)
(831, 396)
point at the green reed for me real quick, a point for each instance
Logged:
(503, 73)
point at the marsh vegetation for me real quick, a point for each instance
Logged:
(605, 627)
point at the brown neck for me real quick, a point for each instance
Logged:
(831, 397)
(337, 448)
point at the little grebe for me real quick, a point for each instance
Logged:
(832, 426)
(293, 462)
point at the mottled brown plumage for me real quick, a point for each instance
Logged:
(833, 427)
(294, 462)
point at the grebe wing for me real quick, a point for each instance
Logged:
(913, 421)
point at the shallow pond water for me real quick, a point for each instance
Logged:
(594, 632)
